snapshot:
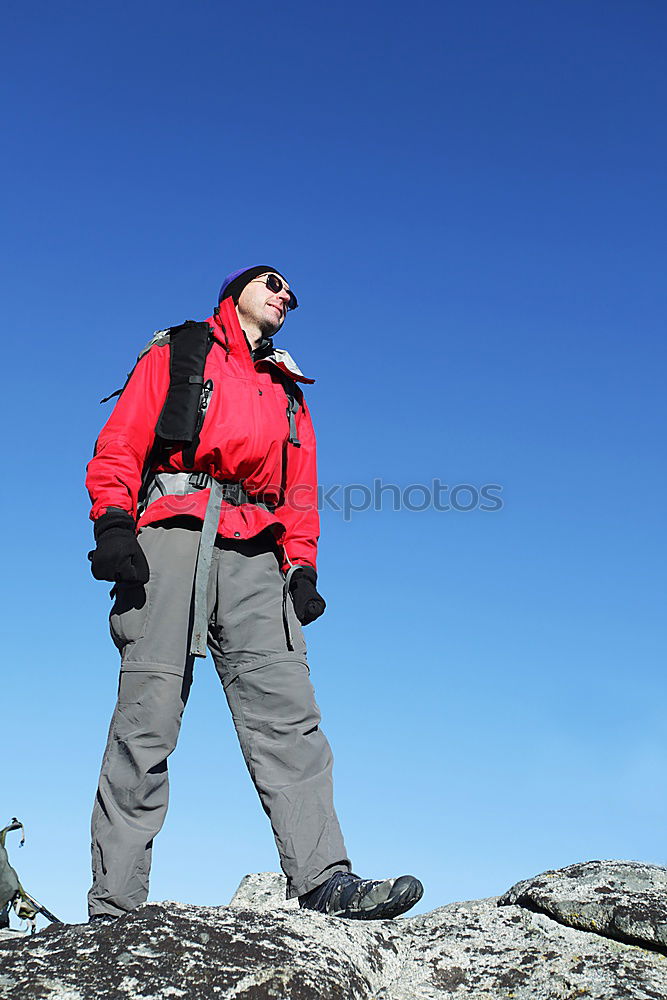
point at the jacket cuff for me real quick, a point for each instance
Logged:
(114, 517)
(306, 571)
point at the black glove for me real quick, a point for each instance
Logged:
(118, 557)
(307, 602)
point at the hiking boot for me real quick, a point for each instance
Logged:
(347, 895)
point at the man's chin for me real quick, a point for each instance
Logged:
(270, 327)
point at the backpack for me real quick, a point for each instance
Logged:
(12, 894)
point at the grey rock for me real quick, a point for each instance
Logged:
(263, 891)
(11, 934)
(626, 900)
(482, 951)
(262, 946)
(175, 950)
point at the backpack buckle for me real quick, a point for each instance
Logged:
(199, 480)
(233, 493)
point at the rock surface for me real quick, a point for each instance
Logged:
(262, 946)
(622, 899)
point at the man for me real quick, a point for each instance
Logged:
(210, 454)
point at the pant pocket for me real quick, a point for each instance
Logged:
(129, 614)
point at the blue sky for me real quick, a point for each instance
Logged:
(469, 200)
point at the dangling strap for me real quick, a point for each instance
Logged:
(111, 395)
(286, 596)
(204, 558)
(292, 408)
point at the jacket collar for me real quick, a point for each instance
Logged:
(227, 331)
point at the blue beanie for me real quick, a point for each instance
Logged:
(235, 282)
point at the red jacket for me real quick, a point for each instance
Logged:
(244, 437)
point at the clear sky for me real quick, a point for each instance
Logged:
(469, 200)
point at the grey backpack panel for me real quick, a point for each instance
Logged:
(9, 881)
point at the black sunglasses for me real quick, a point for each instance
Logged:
(276, 285)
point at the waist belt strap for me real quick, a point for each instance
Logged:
(180, 484)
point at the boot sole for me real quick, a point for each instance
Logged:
(404, 893)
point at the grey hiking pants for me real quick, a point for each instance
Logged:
(269, 693)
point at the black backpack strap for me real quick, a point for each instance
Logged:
(184, 408)
(189, 345)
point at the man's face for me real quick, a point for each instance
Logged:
(259, 305)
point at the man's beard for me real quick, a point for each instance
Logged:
(267, 328)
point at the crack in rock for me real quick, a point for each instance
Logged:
(622, 900)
